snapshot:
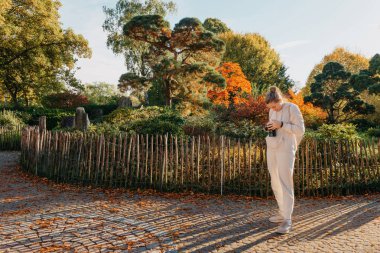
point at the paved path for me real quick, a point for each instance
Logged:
(39, 216)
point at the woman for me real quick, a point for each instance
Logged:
(286, 129)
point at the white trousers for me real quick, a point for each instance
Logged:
(281, 165)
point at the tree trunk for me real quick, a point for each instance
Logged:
(331, 118)
(15, 100)
(168, 94)
(26, 100)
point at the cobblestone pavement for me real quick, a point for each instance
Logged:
(39, 216)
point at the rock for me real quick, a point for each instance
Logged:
(125, 102)
(68, 122)
(81, 119)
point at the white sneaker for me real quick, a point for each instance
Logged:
(276, 219)
(285, 227)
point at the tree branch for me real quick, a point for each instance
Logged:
(25, 51)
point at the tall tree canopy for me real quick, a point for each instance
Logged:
(36, 54)
(183, 59)
(101, 93)
(374, 73)
(368, 79)
(155, 93)
(333, 91)
(216, 26)
(374, 65)
(135, 52)
(368, 82)
(259, 62)
(351, 62)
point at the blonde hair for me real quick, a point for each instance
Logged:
(273, 95)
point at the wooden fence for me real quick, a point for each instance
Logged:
(197, 163)
(10, 139)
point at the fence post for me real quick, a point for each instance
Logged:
(222, 165)
(42, 123)
(37, 149)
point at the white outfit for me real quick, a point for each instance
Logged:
(281, 151)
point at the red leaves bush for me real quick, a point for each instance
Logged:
(252, 109)
(65, 100)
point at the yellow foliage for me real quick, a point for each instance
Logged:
(351, 62)
(4, 6)
(260, 63)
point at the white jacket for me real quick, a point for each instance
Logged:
(293, 128)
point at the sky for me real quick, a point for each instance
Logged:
(301, 31)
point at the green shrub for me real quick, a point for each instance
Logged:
(104, 127)
(53, 116)
(149, 120)
(125, 115)
(198, 125)
(93, 110)
(363, 124)
(241, 129)
(337, 131)
(119, 116)
(10, 120)
(157, 125)
(73, 131)
(24, 116)
(312, 134)
(374, 132)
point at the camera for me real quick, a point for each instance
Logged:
(271, 133)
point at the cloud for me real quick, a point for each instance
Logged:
(375, 26)
(290, 44)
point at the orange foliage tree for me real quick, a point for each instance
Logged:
(236, 97)
(237, 90)
(313, 115)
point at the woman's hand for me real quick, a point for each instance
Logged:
(274, 124)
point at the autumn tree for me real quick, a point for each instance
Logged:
(215, 25)
(235, 102)
(313, 115)
(351, 62)
(4, 6)
(259, 61)
(237, 90)
(374, 118)
(333, 92)
(182, 59)
(36, 53)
